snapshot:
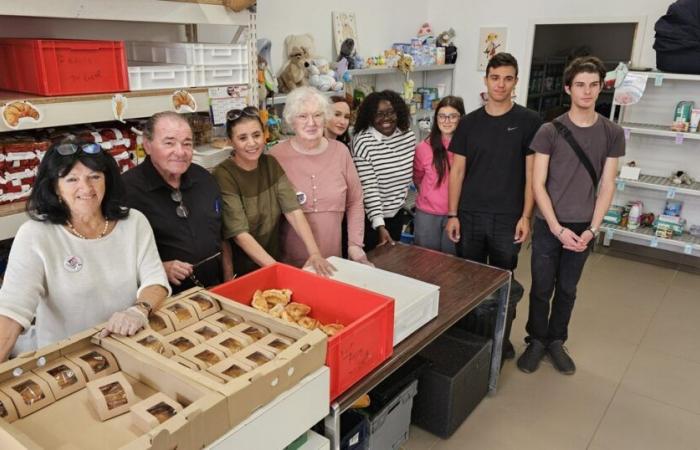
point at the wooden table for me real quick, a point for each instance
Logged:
(463, 285)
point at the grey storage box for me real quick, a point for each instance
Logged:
(389, 423)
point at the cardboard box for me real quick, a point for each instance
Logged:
(95, 362)
(205, 330)
(8, 411)
(275, 342)
(255, 355)
(156, 409)
(28, 392)
(204, 356)
(111, 396)
(161, 323)
(229, 343)
(181, 341)
(204, 417)
(224, 320)
(202, 303)
(253, 330)
(153, 341)
(230, 368)
(247, 393)
(181, 314)
(63, 377)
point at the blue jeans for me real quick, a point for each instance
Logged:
(429, 232)
(554, 271)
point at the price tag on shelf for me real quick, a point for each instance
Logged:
(628, 132)
(659, 79)
(679, 138)
(688, 249)
(654, 242)
(671, 193)
(620, 185)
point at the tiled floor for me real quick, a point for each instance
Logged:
(635, 337)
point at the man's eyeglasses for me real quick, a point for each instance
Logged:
(71, 149)
(235, 114)
(389, 114)
(448, 117)
(181, 210)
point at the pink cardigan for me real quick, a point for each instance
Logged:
(328, 188)
(431, 198)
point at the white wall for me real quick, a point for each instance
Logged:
(519, 17)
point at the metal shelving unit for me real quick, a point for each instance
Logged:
(685, 243)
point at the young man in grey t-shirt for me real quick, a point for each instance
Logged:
(569, 211)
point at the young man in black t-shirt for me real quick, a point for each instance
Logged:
(490, 198)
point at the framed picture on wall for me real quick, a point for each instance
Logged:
(492, 40)
(344, 27)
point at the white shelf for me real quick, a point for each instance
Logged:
(645, 236)
(394, 70)
(70, 110)
(126, 10)
(653, 75)
(661, 184)
(657, 130)
(281, 99)
(12, 216)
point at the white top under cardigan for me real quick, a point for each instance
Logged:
(71, 284)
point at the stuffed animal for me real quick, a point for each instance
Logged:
(347, 51)
(322, 77)
(425, 30)
(240, 5)
(341, 71)
(294, 73)
(445, 38)
(267, 83)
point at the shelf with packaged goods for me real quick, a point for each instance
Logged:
(76, 109)
(394, 70)
(161, 11)
(659, 184)
(685, 243)
(657, 130)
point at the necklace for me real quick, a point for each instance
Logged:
(75, 232)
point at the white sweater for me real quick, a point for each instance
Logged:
(71, 284)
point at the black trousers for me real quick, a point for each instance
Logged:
(488, 239)
(554, 271)
(393, 224)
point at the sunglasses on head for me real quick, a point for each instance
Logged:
(248, 111)
(181, 210)
(71, 149)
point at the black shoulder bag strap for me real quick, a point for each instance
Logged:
(566, 134)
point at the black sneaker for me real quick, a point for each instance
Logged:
(508, 351)
(560, 358)
(529, 361)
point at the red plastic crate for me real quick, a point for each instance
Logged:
(62, 66)
(364, 343)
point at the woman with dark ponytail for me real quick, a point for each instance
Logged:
(431, 169)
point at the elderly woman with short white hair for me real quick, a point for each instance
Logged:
(324, 175)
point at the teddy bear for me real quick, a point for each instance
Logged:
(294, 73)
(240, 5)
(347, 51)
(322, 77)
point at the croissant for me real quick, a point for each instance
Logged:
(332, 329)
(259, 302)
(308, 322)
(18, 110)
(278, 296)
(297, 310)
(277, 310)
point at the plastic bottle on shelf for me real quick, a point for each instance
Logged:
(635, 217)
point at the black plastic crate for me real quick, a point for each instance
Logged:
(353, 431)
(454, 383)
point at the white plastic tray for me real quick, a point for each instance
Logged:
(193, 54)
(220, 75)
(144, 75)
(416, 302)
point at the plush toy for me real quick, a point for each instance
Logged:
(445, 40)
(322, 77)
(294, 73)
(347, 51)
(240, 5)
(341, 71)
(267, 84)
(425, 30)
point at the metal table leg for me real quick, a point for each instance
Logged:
(503, 296)
(332, 426)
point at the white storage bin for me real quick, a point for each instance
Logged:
(220, 75)
(415, 302)
(143, 76)
(192, 54)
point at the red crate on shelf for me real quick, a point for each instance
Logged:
(62, 66)
(364, 343)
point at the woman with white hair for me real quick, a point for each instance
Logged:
(325, 178)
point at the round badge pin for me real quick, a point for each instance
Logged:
(301, 197)
(73, 264)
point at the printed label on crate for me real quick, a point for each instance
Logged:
(18, 112)
(119, 105)
(183, 101)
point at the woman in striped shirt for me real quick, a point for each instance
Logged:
(383, 149)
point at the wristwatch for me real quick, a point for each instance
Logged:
(593, 230)
(146, 306)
